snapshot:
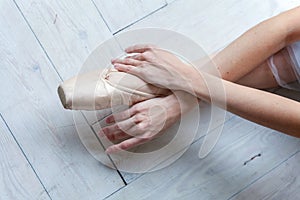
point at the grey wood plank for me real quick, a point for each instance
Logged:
(170, 1)
(281, 183)
(119, 13)
(213, 24)
(14, 185)
(70, 31)
(223, 172)
(46, 133)
(67, 30)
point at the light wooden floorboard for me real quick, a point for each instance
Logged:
(282, 183)
(120, 13)
(69, 32)
(213, 24)
(44, 130)
(222, 173)
(53, 42)
(18, 180)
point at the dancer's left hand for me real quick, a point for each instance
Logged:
(156, 66)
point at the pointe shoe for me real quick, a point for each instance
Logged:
(100, 89)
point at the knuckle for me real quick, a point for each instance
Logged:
(138, 118)
(141, 127)
(135, 109)
(115, 127)
(147, 55)
(124, 146)
(126, 60)
(150, 46)
(144, 64)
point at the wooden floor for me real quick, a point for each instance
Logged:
(44, 42)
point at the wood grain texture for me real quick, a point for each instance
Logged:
(281, 183)
(69, 32)
(18, 180)
(44, 130)
(223, 172)
(63, 149)
(212, 24)
(121, 13)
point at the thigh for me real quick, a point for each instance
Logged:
(278, 70)
(260, 78)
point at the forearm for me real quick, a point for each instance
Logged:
(261, 107)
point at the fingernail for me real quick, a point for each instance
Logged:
(109, 120)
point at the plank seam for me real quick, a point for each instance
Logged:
(39, 42)
(91, 127)
(257, 179)
(114, 192)
(23, 153)
(132, 23)
(99, 12)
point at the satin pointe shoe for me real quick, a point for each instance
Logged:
(100, 89)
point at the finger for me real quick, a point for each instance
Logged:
(121, 116)
(121, 136)
(126, 61)
(119, 126)
(138, 56)
(135, 123)
(127, 144)
(137, 130)
(118, 136)
(116, 117)
(126, 68)
(139, 48)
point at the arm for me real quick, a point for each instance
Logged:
(260, 42)
(264, 108)
(233, 62)
(238, 59)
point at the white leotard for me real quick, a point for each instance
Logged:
(290, 54)
(294, 51)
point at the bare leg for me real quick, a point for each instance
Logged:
(262, 76)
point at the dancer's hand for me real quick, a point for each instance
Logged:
(156, 66)
(145, 120)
